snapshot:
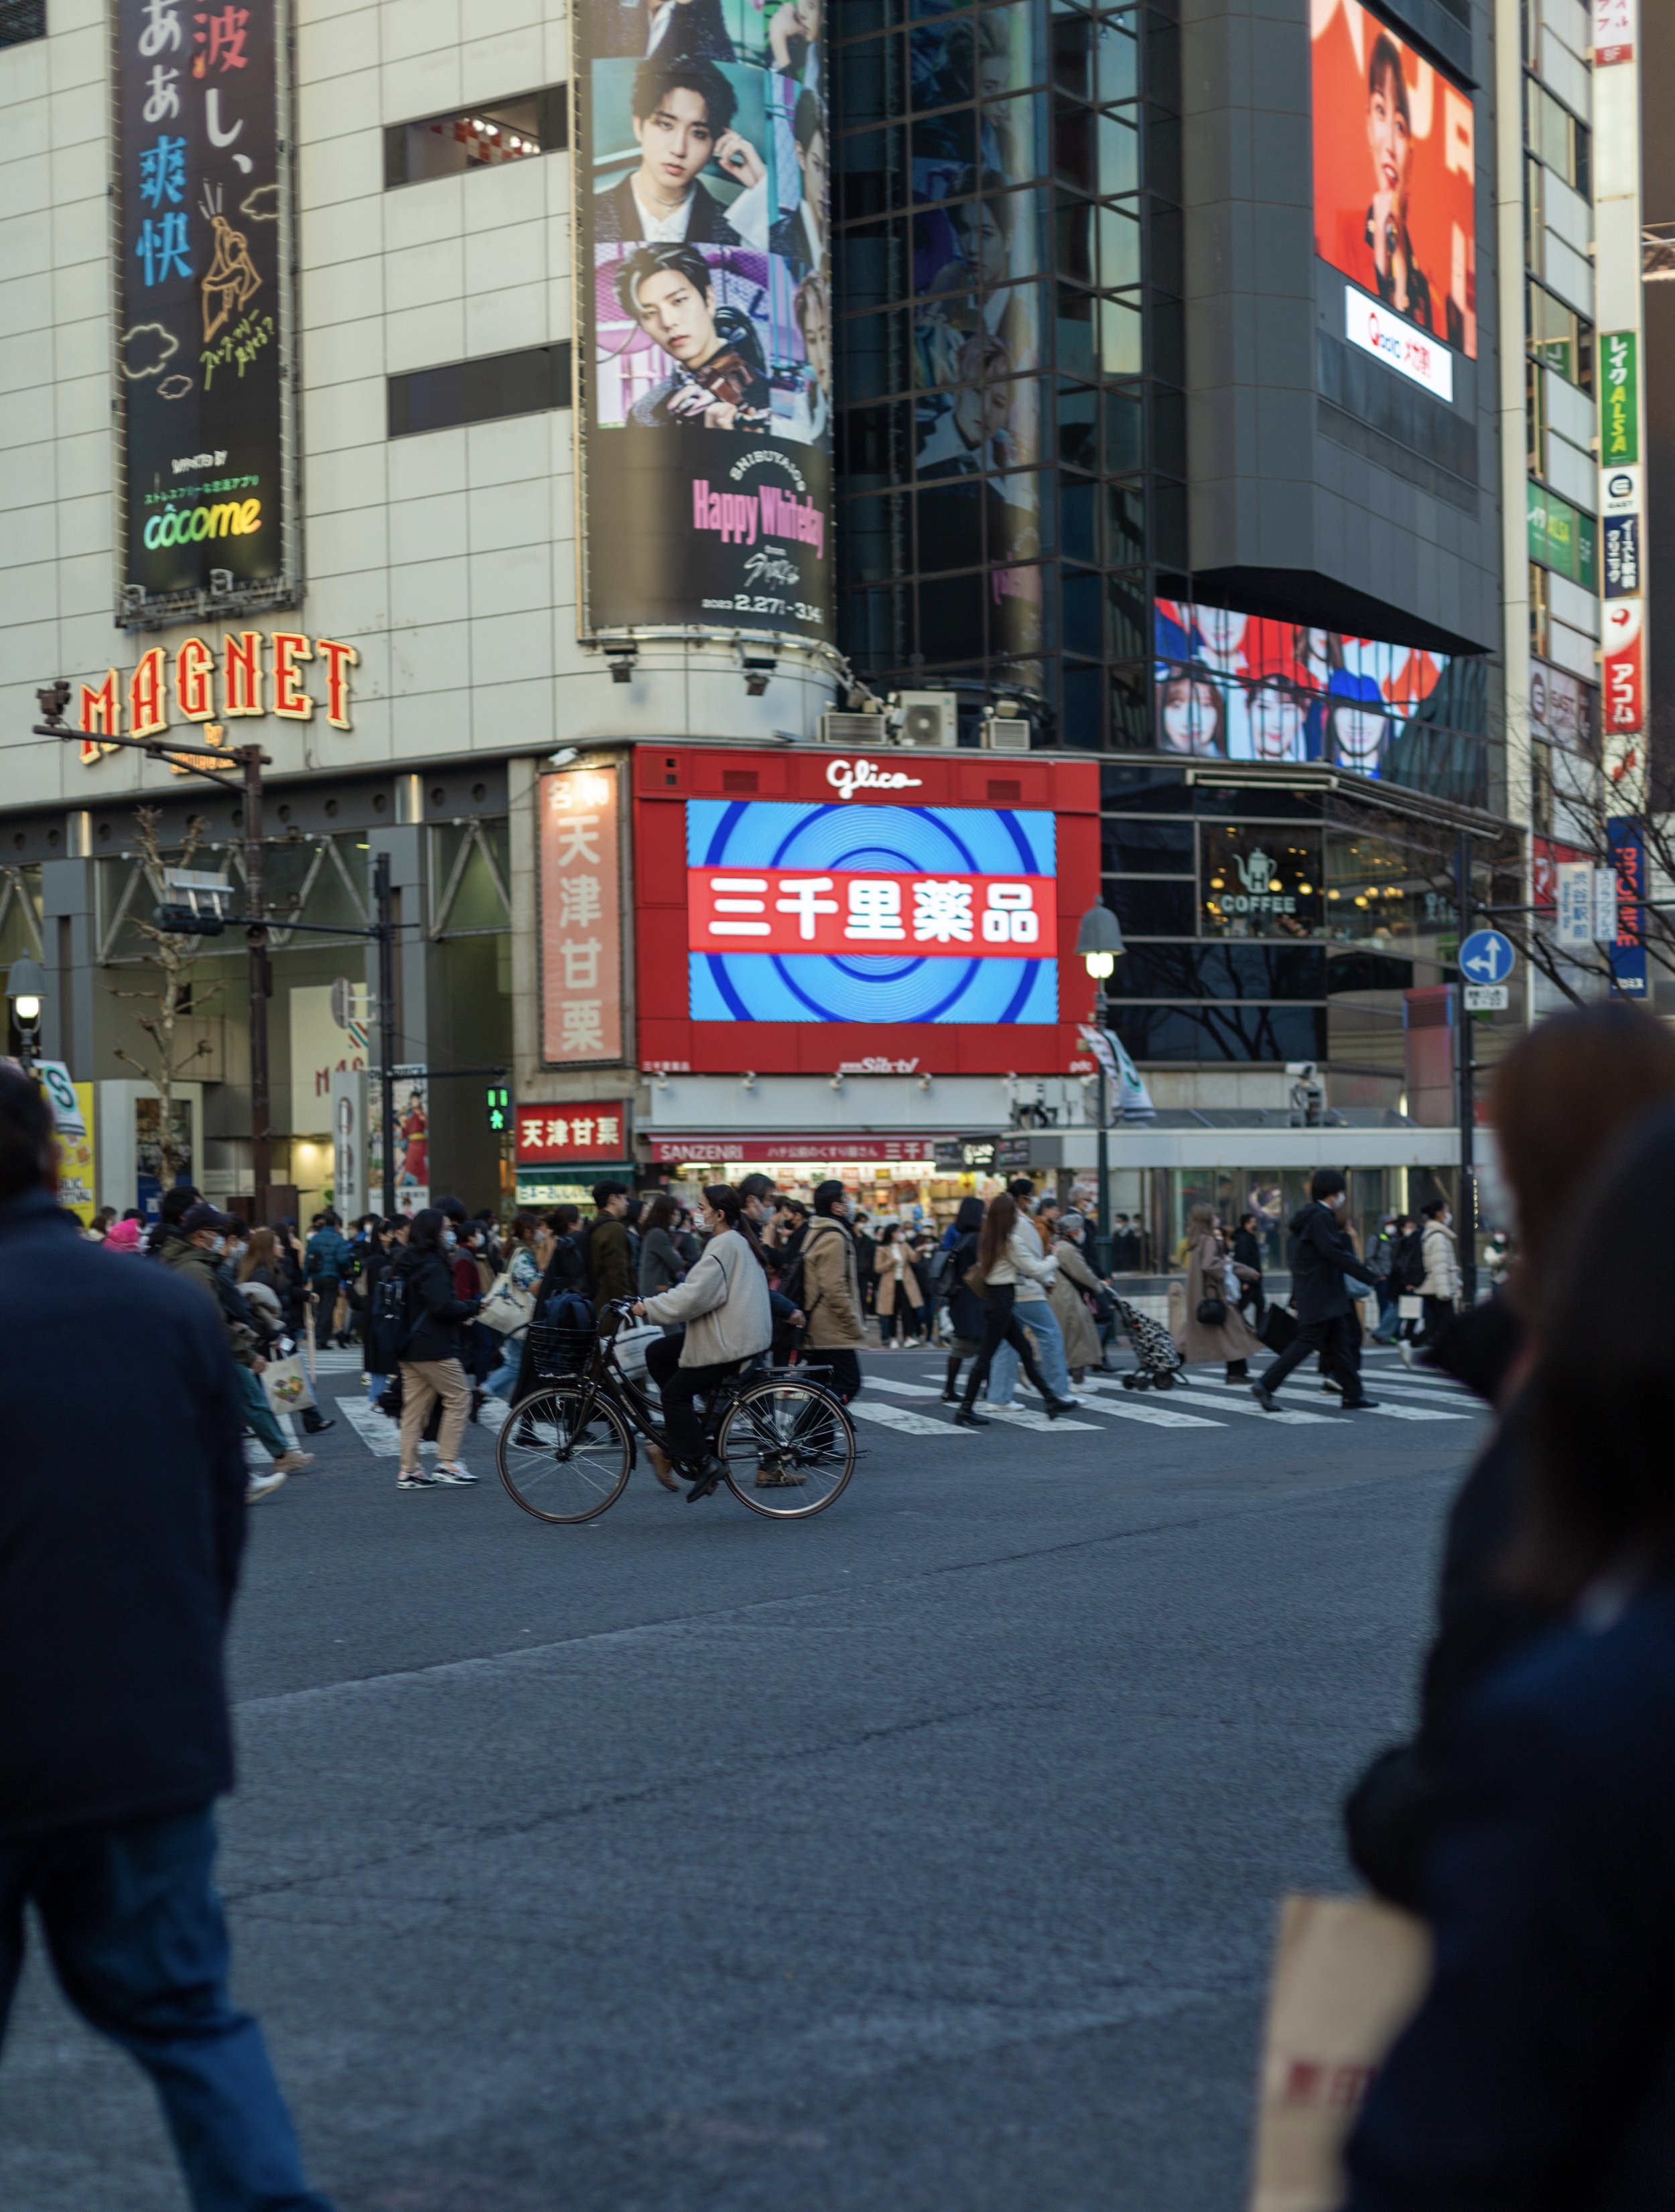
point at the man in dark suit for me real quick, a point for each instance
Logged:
(121, 1523)
(1322, 1256)
(683, 120)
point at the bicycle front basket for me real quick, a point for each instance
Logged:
(559, 1352)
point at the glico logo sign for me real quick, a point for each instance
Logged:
(847, 777)
(252, 675)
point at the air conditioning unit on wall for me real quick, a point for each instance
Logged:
(856, 731)
(1005, 733)
(928, 718)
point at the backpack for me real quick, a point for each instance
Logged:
(386, 1317)
(1407, 1262)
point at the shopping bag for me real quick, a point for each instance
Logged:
(1348, 1974)
(1410, 1306)
(630, 1345)
(507, 1309)
(1279, 1326)
(287, 1387)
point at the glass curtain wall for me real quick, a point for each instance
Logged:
(1007, 200)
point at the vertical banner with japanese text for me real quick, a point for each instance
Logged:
(203, 239)
(1627, 949)
(581, 927)
(1620, 355)
(704, 319)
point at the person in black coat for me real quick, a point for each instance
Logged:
(1247, 1253)
(1322, 1256)
(431, 1362)
(1538, 2075)
(118, 1567)
(966, 1314)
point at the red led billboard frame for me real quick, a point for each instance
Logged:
(667, 776)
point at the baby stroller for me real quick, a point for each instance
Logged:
(1161, 1363)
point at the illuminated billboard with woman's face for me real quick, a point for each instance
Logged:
(1395, 200)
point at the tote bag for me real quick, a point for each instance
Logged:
(507, 1309)
(286, 1386)
(1349, 1975)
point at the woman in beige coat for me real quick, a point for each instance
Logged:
(1064, 1295)
(1208, 1269)
(831, 1295)
(897, 1300)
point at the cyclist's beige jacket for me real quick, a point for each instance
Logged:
(723, 1302)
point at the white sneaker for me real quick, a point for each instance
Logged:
(451, 1472)
(264, 1486)
(417, 1480)
(294, 1461)
(1405, 1349)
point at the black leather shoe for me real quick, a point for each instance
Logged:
(712, 1473)
(1264, 1397)
(1056, 1407)
(1360, 1405)
(965, 1419)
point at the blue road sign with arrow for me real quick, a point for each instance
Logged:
(1486, 956)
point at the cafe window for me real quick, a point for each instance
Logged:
(483, 137)
(1260, 880)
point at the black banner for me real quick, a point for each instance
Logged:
(704, 290)
(203, 230)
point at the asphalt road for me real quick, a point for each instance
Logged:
(923, 1855)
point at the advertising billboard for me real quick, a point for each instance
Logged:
(705, 284)
(202, 228)
(1231, 686)
(580, 932)
(1395, 199)
(795, 913)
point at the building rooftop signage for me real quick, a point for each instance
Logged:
(249, 674)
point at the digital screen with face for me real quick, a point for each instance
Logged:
(1394, 173)
(1231, 686)
(704, 264)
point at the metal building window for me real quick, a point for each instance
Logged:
(531, 382)
(485, 136)
(21, 21)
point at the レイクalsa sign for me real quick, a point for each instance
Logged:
(249, 675)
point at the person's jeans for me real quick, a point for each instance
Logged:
(136, 1934)
(502, 1383)
(1039, 1319)
(259, 1415)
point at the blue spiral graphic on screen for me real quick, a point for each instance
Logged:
(874, 988)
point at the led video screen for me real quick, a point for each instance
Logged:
(816, 913)
(1394, 173)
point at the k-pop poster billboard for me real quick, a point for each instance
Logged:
(703, 269)
(1395, 173)
(203, 298)
(1231, 686)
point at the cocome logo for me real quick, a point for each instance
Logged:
(182, 525)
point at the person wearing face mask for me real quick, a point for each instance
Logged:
(1440, 1285)
(430, 1361)
(195, 1249)
(1323, 1258)
(724, 1318)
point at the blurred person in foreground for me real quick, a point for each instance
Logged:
(1563, 1098)
(1539, 2071)
(117, 1573)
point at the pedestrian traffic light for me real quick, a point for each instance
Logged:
(498, 1099)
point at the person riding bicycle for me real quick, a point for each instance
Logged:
(724, 1304)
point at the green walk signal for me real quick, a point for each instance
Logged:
(499, 1100)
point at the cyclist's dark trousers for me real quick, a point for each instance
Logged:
(1332, 1340)
(999, 1327)
(677, 1387)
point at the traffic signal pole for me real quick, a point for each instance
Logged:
(261, 988)
(384, 906)
(1466, 1073)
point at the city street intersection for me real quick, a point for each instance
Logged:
(923, 1855)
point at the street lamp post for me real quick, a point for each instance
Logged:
(1099, 942)
(26, 987)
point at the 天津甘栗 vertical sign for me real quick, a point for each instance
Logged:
(203, 243)
(580, 886)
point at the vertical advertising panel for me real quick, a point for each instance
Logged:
(203, 228)
(704, 309)
(1628, 952)
(1395, 181)
(581, 883)
(1618, 297)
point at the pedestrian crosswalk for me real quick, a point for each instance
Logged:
(902, 1398)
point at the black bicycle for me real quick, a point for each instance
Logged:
(565, 1452)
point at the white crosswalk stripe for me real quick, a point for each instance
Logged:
(1231, 1403)
(1383, 1410)
(898, 1418)
(1024, 1417)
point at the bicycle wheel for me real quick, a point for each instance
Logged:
(788, 1446)
(563, 1453)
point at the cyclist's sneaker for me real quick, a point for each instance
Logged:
(453, 1472)
(418, 1480)
(711, 1472)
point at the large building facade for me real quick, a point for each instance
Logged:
(1137, 398)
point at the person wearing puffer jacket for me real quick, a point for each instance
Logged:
(1440, 1287)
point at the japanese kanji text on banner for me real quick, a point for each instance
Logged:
(202, 215)
(581, 880)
